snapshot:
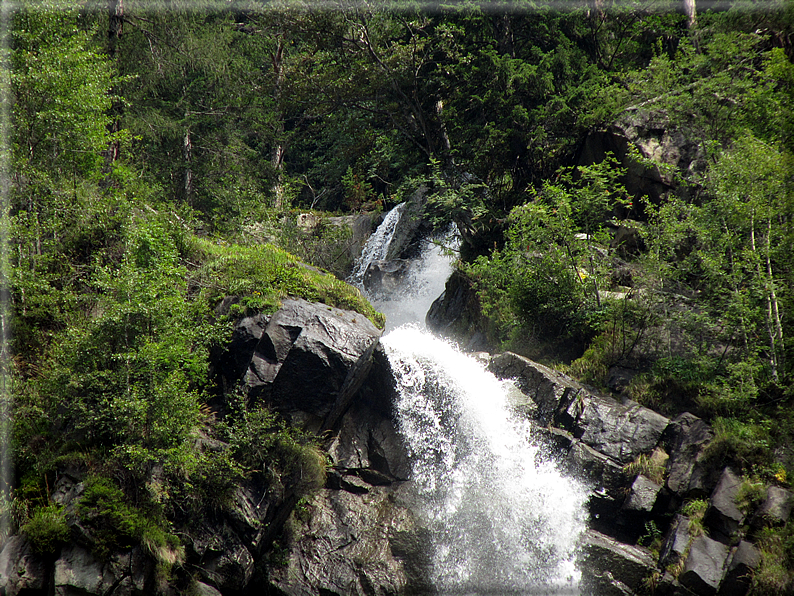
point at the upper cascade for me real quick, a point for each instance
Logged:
(377, 246)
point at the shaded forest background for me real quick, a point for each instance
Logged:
(161, 151)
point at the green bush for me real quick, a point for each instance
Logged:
(47, 530)
(115, 524)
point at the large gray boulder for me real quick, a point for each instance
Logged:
(352, 544)
(738, 579)
(611, 567)
(723, 517)
(704, 566)
(685, 439)
(307, 362)
(21, 570)
(621, 431)
(385, 277)
(549, 389)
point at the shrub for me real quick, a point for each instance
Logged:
(47, 529)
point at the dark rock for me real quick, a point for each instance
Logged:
(675, 542)
(723, 516)
(549, 389)
(651, 134)
(685, 438)
(202, 589)
(367, 441)
(21, 570)
(775, 510)
(78, 571)
(345, 547)
(703, 569)
(642, 495)
(224, 561)
(603, 474)
(310, 361)
(385, 276)
(456, 314)
(623, 432)
(233, 363)
(607, 564)
(620, 378)
(739, 574)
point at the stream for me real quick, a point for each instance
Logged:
(502, 518)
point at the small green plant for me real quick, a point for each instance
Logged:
(751, 494)
(651, 465)
(775, 574)
(695, 510)
(652, 536)
(114, 523)
(47, 530)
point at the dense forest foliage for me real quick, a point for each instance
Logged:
(161, 150)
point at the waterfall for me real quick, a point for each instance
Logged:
(502, 519)
(377, 245)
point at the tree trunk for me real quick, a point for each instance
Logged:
(187, 155)
(115, 30)
(691, 13)
(277, 156)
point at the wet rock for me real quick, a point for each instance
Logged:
(703, 569)
(739, 574)
(310, 361)
(675, 542)
(623, 432)
(384, 277)
(21, 570)
(368, 441)
(549, 389)
(609, 565)
(775, 510)
(456, 314)
(685, 438)
(723, 516)
(603, 474)
(642, 495)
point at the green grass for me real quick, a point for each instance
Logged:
(262, 275)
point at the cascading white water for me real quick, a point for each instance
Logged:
(423, 283)
(501, 518)
(377, 245)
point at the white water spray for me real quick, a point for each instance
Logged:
(377, 246)
(502, 519)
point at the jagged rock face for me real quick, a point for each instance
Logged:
(456, 314)
(21, 571)
(651, 134)
(350, 544)
(384, 277)
(307, 361)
